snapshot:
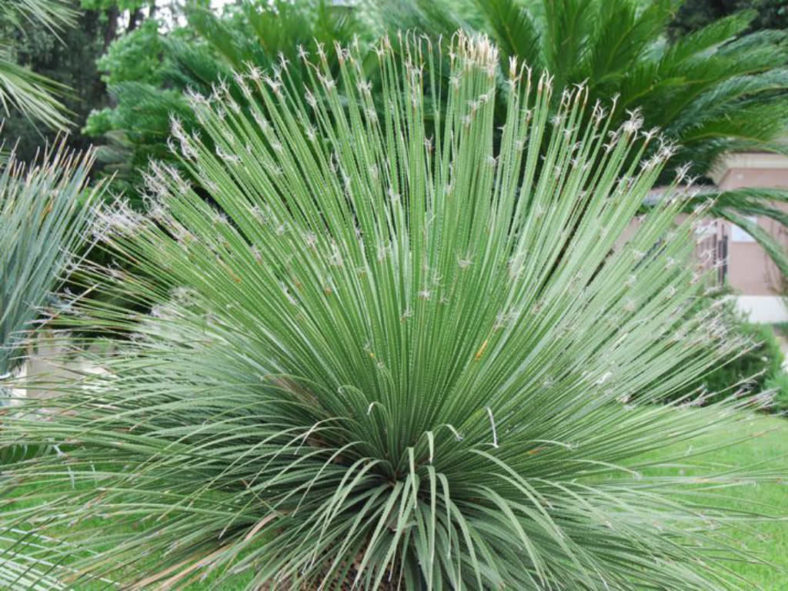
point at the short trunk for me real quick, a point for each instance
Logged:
(112, 27)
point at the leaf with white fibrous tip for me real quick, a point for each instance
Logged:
(45, 210)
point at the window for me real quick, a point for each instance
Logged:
(739, 235)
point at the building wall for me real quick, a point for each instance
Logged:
(750, 271)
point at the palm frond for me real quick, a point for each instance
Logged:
(754, 201)
(776, 251)
(709, 37)
(22, 567)
(30, 93)
(514, 30)
(735, 205)
(33, 95)
(33, 562)
(53, 14)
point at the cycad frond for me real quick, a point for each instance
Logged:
(514, 30)
(771, 245)
(709, 37)
(735, 205)
(623, 33)
(53, 14)
(398, 353)
(719, 100)
(30, 93)
(33, 95)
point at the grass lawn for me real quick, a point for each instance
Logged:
(767, 540)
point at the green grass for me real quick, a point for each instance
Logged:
(767, 539)
(781, 328)
(771, 539)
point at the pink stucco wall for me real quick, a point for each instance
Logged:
(750, 271)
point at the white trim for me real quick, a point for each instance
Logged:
(746, 160)
(763, 309)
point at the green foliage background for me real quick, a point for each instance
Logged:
(70, 61)
(756, 370)
(694, 14)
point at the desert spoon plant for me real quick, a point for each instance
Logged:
(45, 209)
(393, 357)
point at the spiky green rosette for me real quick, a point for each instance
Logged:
(45, 208)
(391, 352)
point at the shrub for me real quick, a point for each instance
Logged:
(778, 383)
(393, 359)
(148, 70)
(756, 367)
